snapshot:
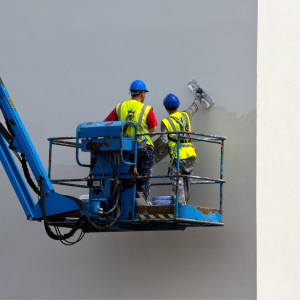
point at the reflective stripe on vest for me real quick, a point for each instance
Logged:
(187, 149)
(137, 112)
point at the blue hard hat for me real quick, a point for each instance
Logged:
(138, 85)
(171, 101)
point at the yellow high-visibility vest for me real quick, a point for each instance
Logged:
(187, 149)
(137, 112)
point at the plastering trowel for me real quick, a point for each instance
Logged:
(206, 100)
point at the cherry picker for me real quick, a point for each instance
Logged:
(110, 203)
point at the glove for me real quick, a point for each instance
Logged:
(199, 91)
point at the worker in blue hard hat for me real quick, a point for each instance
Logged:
(143, 116)
(167, 143)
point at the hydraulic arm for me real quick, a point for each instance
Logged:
(15, 139)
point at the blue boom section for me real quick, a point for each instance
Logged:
(20, 143)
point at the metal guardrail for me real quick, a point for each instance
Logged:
(194, 136)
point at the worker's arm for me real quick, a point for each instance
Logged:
(161, 149)
(151, 121)
(112, 116)
(153, 129)
(195, 105)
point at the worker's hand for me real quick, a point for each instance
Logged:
(198, 95)
(199, 91)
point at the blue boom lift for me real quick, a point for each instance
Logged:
(111, 203)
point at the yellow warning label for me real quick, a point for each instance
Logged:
(11, 102)
(156, 217)
(161, 216)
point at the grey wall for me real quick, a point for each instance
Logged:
(66, 62)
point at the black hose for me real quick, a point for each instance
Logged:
(27, 174)
(61, 237)
(9, 135)
(48, 230)
(116, 206)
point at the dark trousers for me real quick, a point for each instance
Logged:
(145, 163)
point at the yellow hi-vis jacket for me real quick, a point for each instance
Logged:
(136, 112)
(175, 122)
